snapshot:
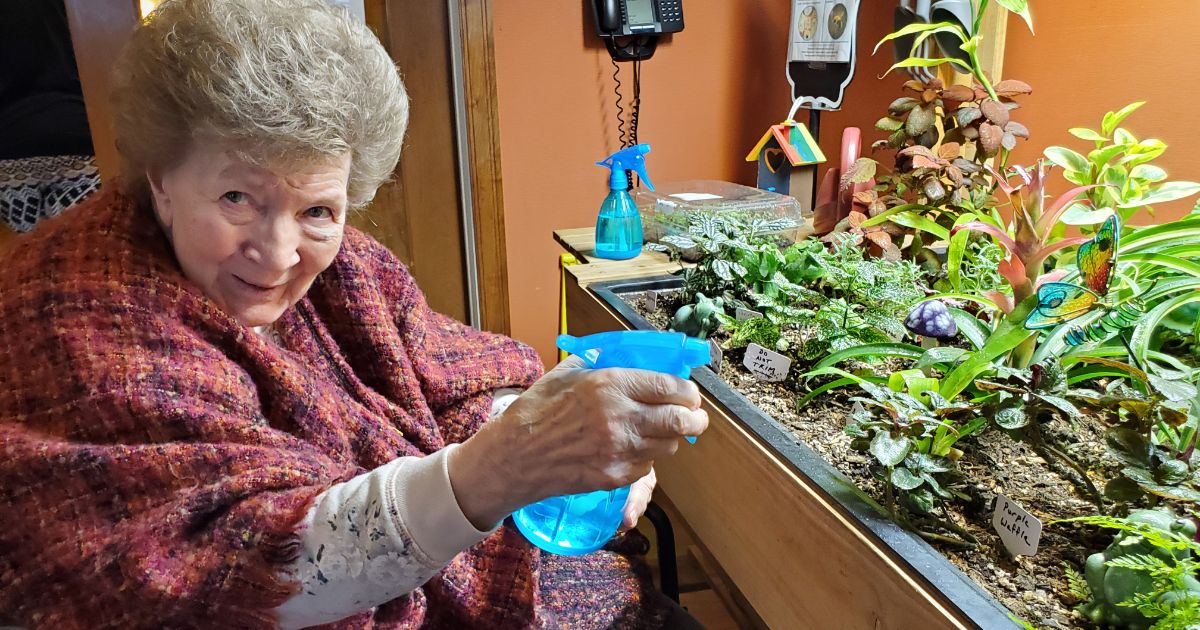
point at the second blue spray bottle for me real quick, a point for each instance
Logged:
(619, 225)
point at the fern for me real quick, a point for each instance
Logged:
(1184, 615)
(1077, 586)
(1157, 537)
(759, 330)
(1170, 574)
(1140, 562)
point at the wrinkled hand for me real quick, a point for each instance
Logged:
(639, 498)
(575, 430)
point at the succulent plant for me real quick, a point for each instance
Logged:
(945, 167)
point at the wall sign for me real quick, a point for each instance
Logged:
(821, 51)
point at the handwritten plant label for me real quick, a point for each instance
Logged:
(742, 314)
(650, 300)
(1020, 530)
(765, 364)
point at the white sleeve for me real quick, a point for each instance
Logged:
(502, 398)
(375, 537)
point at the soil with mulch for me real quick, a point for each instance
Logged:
(1035, 587)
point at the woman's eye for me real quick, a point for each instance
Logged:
(234, 196)
(319, 212)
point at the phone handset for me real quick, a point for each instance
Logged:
(610, 16)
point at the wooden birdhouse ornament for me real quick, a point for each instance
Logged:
(787, 157)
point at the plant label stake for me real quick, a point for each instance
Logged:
(650, 299)
(716, 354)
(1019, 530)
(743, 314)
(766, 365)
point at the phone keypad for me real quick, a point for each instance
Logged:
(672, 11)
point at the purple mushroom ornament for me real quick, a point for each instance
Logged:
(932, 321)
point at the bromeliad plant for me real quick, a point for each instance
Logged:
(1029, 239)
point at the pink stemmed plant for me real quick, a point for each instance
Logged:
(1030, 236)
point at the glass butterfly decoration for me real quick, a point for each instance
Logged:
(1060, 302)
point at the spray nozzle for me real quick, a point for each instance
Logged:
(632, 159)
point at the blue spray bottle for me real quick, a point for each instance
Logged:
(619, 226)
(575, 524)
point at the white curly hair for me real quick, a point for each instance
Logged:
(278, 81)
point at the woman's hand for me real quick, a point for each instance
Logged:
(639, 498)
(575, 430)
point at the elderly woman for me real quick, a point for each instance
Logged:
(222, 407)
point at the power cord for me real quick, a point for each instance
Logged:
(620, 99)
(637, 102)
(628, 136)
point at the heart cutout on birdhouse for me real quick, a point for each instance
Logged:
(776, 159)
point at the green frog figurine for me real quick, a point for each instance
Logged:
(1113, 585)
(699, 320)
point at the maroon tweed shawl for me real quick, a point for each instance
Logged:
(155, 455)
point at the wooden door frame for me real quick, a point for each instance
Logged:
(482, 130)
(483, 158)
(98, 32)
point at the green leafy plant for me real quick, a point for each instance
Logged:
(852, 300)
(969, 44)
(1018, 401)
(1155, 439)
(913, 442)
(716, 244)
(858, 300)
(1119, 166)
(978, 272)
(943, 136)
(1160, 279)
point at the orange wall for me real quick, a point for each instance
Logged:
(1090, 57)
(707, 96)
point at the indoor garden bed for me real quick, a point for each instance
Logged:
(1039, 353)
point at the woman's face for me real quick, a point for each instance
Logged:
(252, 238)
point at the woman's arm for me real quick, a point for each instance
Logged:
(376, 537)
(384, 533)
(379, 535)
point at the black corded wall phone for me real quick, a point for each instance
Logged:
(630, 30)
(638, 23)
(623, 18)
